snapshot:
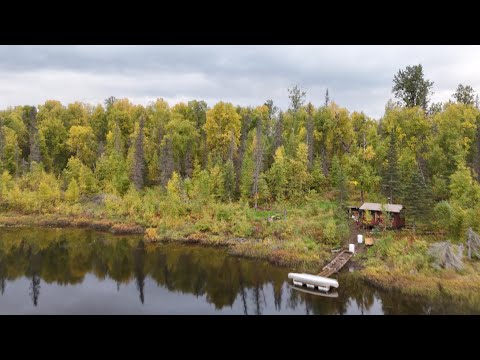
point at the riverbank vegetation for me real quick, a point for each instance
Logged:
(268, 182)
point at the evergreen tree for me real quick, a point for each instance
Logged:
(138, 173)
(278, 133)
(229, 181)
(392, 174)
(310, 139)
(2, 145)
(339, 179)
(238, 161)
(167, 163)
(417, 197)
(30, 117)
(258, 159)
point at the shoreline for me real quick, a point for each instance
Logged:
(236, 246)
(428, 285)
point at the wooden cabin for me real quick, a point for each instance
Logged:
(353, 212)
(375, 210)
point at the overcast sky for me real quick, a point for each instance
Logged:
(358, 77)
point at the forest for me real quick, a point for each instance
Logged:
(224, 169)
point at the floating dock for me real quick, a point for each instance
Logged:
(322, 282)
(313, 281)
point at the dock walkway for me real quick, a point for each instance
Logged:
(336, 264)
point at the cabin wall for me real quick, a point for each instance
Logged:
(398, 220)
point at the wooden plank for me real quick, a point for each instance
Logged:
(336, 264)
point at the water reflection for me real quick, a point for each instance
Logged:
(86, 272)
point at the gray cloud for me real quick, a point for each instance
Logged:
(358, 77)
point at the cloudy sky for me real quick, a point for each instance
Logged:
(358, 77)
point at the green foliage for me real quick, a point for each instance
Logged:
(464, 94)
(263, 190)
(200, 186)
(82, 142)
(444, 215)
(318, 178)
(417, 197)
(246, 180)
(277, 175)
(217, 183)
(37, 193)
(82, 174)
(401, 253)
(229, 181)
(5, 185)
(297, 98)
(331, 232)
(339, 179)
(411, 87)
(222, 128)
(392, 173)
(299, 178)
(464, 189)
(112, 173)
(72, 194)
(190, 157)
(175, 188)
(10, 152)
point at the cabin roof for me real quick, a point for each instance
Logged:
(393, 208)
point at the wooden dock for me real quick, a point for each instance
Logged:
(336, 264)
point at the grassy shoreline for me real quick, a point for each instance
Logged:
(380, 274)
(238, 246)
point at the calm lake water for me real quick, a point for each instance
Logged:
(77, 271)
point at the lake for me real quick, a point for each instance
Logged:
(78, 271)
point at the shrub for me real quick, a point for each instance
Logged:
(72, 195)
(331, 233)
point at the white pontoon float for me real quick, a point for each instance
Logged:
(313, 281)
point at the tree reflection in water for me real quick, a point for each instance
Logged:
(230, 284)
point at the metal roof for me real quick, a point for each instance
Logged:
(393, 208)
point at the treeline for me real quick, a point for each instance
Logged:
(425, 156)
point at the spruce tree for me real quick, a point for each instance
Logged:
(391, 176)
(2, 145)
(309, 128)
(229, 180)
(416, 197)
(339, 179)
(278, 133)
(258, 159)
(167, 163)
(30, 117)
(138, 171)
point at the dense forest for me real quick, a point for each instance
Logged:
(423, 155)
